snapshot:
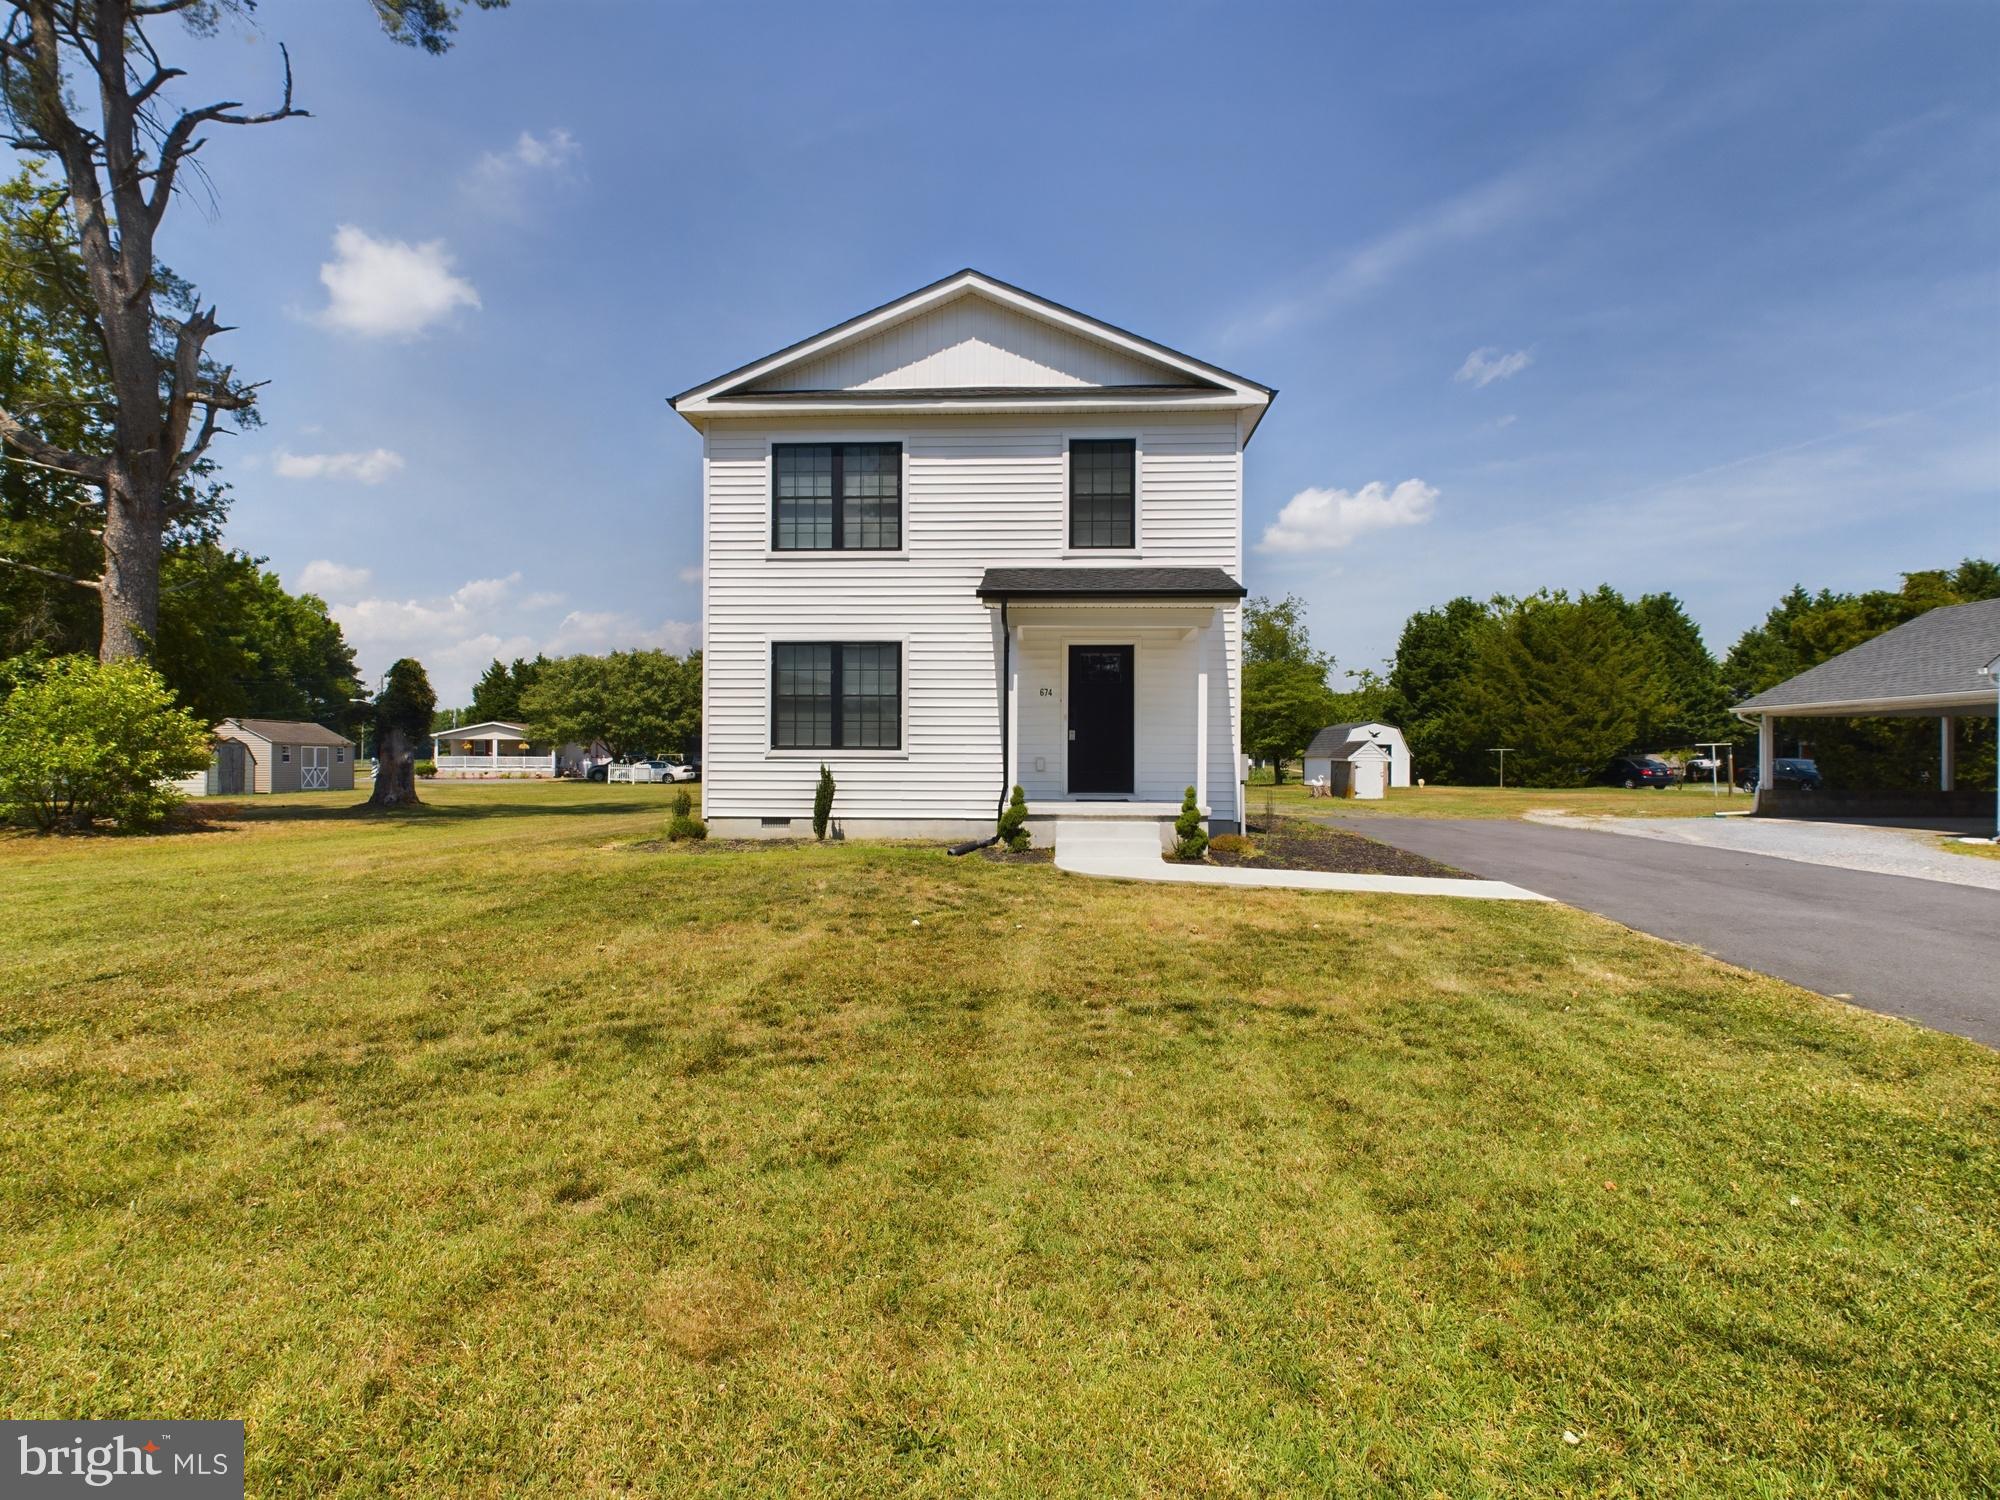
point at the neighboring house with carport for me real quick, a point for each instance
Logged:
(1330, 739)
(1935, 666)
(278, 755)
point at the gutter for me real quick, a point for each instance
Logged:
(1006, 670)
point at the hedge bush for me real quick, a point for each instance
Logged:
(82, 740)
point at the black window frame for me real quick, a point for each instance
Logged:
(1099, 445)
(838, 695)
(838, 532)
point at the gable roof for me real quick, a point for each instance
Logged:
(288, 731)
(1078, 361)
(1923, 666)
(460, 731)
(1356, 749)
(1331, 738)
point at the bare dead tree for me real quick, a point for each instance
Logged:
(121, 167)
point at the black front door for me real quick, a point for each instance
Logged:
(1100, 719)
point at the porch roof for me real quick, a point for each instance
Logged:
(1109, 583)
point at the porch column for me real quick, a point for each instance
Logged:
(1013, 708)
(1201, 726)
(493, 753)
(1947, 753)
(1767, 754)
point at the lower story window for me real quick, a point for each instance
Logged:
(837, 695)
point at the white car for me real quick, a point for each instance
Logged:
(651, 770)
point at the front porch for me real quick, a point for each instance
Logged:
(493, 748)
(1119, 692)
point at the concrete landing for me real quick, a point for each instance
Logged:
(1129, 849)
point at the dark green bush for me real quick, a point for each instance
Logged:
(1014, 823)
(823, 803)
(683, 804)
(82, 740)
(426, 768)
(685, 827)
(1190, 839)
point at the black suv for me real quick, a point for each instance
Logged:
(1640, 770)
(1788, 775)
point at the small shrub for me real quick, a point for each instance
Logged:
(1014, 823)
(1233, 844)
(1190, 839)
(82, 740)
(683, 804)
(822, 803)
(426, 768)
(685, 827)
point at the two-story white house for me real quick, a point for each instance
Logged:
(968, 540)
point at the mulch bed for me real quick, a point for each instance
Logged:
(1289, 844)
(997, 855)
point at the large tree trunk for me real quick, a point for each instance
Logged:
(131, 584)
(395, 772)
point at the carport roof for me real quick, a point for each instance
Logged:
(1929, 665)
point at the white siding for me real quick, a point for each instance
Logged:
(970, 341)
(979, 492)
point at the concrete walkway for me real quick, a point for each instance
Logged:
(1874, 849)
(1130, 850)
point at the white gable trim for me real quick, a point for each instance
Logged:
(1223, 388)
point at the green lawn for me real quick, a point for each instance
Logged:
(1508, 802)
(500, 1151)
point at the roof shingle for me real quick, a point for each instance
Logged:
(1937, 655)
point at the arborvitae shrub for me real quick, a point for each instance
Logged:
(685, 827)
(823, 803)
(683, 804)
(1014, 823)
(1190, 839)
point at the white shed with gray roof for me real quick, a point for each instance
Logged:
(1319, 753)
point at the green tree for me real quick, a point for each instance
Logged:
(1564, 683)
(1426, 686)
(121, 165)
(637, 702)
(497, 694)
(233, 642)
(1286, 700)
(403, 713)
(82, 740)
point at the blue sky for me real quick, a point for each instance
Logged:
(1694, 297)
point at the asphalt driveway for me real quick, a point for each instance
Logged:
(1920, 949)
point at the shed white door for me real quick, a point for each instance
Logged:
(315, 762)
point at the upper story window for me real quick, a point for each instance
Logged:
(836, 695)
(1102, 491)
(827, 496)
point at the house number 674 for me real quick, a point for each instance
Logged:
(1048, 692)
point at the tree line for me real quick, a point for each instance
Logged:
(1567, 681)
(635, 703)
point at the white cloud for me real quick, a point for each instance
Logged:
(331, 578)
(379, 288)
(456, 634)
(372, 467)
(1317, 520)
(500, 181)
(691, 573)
(1484, 366)
(612, 630)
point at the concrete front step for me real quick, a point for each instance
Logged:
(1143, 837)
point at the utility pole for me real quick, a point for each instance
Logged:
(1501, 751)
